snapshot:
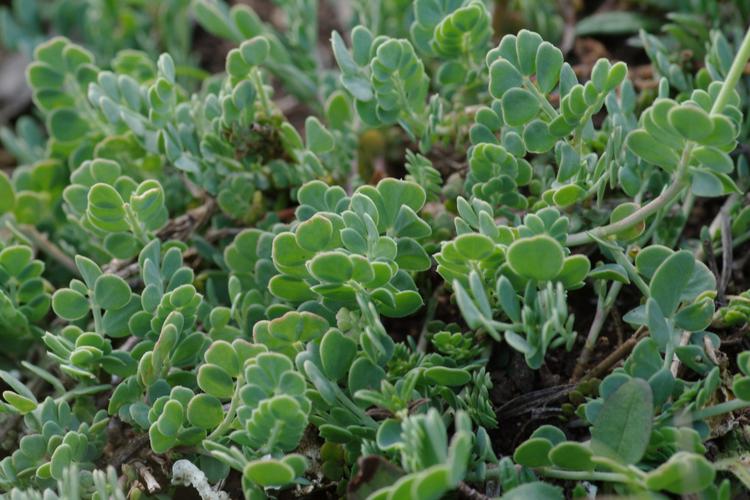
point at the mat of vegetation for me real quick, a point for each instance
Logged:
(382, 249)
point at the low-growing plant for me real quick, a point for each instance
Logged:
(209, 287)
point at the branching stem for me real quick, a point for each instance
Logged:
(680, 179)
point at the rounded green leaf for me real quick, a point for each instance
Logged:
(741, 388)
(170, 420)
(616, 76)
(255, 51)
(312, 235)
(297, 462)
(574, 271)
(622, 211)
(433, 483)
(503, 77)
(221, 353)
(389, 433)
(337, 352)
(670, 280)
(519, 106)
(537, 137)
(61, 459)
(444, 375)
(473, 246)
(364, 374)
(269, 472)
(713, 158)
(291, 289)
(690, 121)
(69, 304)
(205, 411)
(539, 257)
(622, 428)
(34, 446)
(318, 139)
(159, 442)
(122, 245)
(20, 403)
(15, 258)
(66, 125)
(572, 456)
(684, 473)
(650, 149)
(215, 381)
(331, 267)
(568, 195)
(236, 65)
(533, 453)
(549, 61)
(536, 490)
(111, 291)
(549, 432)
(106, 208)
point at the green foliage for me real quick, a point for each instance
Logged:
(228, 267)
(24, 296)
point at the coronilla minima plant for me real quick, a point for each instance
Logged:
(403, 250)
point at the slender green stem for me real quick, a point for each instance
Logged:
(229, 417)
(621, 259)
(735, 72)
(135, 225)
(429, 316)
(668, 195)
(578, 132)
(603, 306)
(720, 409)
(258, 82)
(612, 477)
(668, 355)
(679, 181)
(548, 109)
(97, 312)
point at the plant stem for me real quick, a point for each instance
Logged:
(97, 313)
(669, 194)
(429, 316)
(135, 225)
(735, 72)
(548, 109)
(680, 178)
(258, 82)
(603, 306)
(229, 417)
(721, 408)
(43, 243)
(612, 477)
(621, 352)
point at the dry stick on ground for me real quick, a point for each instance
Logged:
(179, 228)
(132, 446)
(684, 339)
(43, 244)
(467, 492)
(617, 355)
(152, 485)
(530, 401)
(727, 253)
(710, 257)
(715, 225)
(603, 307)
